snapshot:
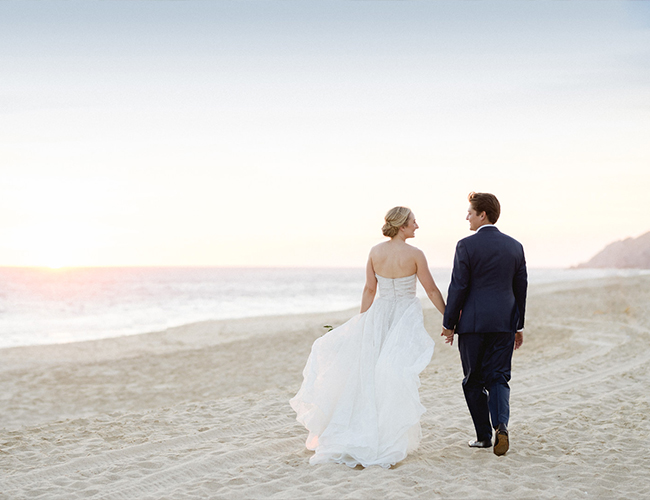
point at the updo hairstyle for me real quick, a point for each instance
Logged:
(395, 218)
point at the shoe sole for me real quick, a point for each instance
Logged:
(502, 445)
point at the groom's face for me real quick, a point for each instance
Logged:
(475, 220)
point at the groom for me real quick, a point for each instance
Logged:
(485, 306)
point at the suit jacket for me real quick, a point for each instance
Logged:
(488, 286)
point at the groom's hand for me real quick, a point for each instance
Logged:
(449, 335)
(519, 339)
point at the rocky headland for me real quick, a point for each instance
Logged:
(631, 253)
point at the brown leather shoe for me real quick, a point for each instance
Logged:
(501, 443)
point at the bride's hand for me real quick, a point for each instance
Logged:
(449, 334)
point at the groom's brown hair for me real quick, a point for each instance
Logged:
(485, 202)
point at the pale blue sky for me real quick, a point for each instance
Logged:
(279, 132)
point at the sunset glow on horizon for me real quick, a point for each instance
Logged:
(279, 133)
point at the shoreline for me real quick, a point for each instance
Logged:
(202, 411)
(194, 327)
(190, 336)
(70, 328)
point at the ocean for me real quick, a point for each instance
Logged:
(50, 306)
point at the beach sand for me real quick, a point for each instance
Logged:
(201, 411)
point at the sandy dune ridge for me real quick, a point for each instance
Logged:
(201, 411)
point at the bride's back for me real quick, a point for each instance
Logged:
(393, 259)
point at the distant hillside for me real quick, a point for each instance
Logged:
(628, 253)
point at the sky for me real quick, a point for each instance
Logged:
(279, 132)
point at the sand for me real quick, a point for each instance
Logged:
(201, 411)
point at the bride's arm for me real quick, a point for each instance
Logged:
(429, 285)
(370, 289)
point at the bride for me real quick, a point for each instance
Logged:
(359, 398)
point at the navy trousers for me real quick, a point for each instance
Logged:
(487, 361)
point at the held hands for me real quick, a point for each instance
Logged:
(449, 335)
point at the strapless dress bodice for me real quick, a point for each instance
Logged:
(397, 288)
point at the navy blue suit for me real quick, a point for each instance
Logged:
(486, 304)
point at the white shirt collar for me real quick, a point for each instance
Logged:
(484, 225)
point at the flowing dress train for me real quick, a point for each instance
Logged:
(359, 397)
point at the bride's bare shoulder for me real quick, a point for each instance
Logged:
(415, 250)
(417, 255)
(378, 248)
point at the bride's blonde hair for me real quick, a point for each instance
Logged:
(395, 218)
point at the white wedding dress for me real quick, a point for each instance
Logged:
(359, 398)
